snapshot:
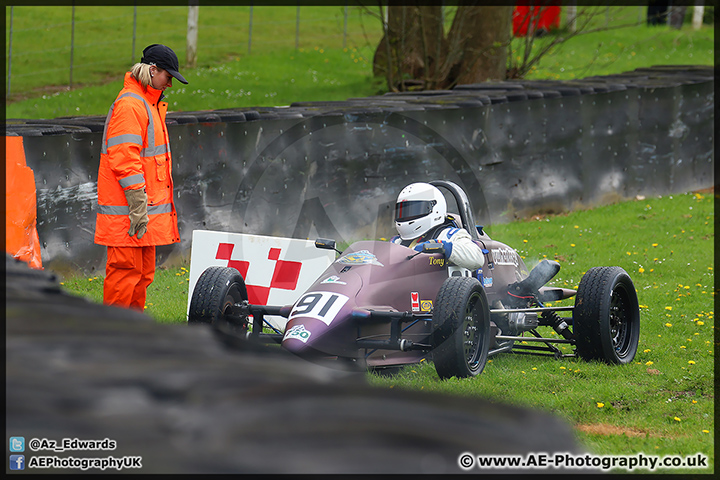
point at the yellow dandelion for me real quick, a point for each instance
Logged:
(668, 308)
(649, 362)
(646, 350)
(677, 419)
(668, 324)
(700, 322)
(691, 362)
(641, 270)
(600, 404)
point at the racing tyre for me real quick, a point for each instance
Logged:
(461, 328)
(213, 297)
(606, 317)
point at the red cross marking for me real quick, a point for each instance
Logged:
(285, 275)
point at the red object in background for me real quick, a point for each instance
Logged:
(543, 15)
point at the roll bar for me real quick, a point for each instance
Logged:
(463, 203)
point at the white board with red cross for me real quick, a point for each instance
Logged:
(276, 270)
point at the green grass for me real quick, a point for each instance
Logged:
(660, 404)
(274, 73)
(167, 296)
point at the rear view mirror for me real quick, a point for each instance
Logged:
(326, 244)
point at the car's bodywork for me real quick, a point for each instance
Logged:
(383, 305)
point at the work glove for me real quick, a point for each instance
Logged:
(137, 201)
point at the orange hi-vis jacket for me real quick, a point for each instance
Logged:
(135, 153)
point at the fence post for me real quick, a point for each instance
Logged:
(192, 34)
(72, 44)
(571, 19)
(698, 11)
(250, 29)
(10, 52)
(345, 26)
(297, 28)
(132, 58)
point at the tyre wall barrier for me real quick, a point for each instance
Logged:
(334, 169)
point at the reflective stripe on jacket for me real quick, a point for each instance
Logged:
(135, 153)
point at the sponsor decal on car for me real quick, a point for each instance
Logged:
(299, 332)
(426, 306)
(363, 257)
(415, 301)
(334, 279)
(505, 256)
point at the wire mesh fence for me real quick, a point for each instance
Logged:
(69, 46)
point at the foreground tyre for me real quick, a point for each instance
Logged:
(461, 328)
(606, 317)
(215, 293)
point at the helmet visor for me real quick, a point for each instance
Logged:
(413, 209)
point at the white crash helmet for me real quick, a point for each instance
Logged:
(419, 207)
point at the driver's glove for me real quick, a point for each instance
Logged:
(137, 202)
(447, 245)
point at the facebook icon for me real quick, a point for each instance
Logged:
(17, 462)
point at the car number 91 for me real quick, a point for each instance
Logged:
(323, 306)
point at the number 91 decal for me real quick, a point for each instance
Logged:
(323, 306)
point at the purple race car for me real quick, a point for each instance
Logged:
(384, 305)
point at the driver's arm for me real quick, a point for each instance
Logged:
(460, 249)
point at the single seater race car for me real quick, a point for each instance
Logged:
(384, 305)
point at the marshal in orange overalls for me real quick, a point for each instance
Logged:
(135, 154)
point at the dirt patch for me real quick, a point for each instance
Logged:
(605, 429)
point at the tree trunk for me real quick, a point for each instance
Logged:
(479, 39)
(414, 52)
(409, 52)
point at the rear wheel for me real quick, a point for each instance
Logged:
(461, 328)
(216, 292)
(606, 317)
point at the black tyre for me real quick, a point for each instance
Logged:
(461, 328)
(213, 297)
(606, 318)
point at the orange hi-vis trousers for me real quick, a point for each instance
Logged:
(128, 273)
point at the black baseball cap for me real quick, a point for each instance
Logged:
(164, 58)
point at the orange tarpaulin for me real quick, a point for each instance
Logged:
(21, 237)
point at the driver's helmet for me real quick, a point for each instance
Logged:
(419, 207)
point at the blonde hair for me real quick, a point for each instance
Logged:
(141, 73)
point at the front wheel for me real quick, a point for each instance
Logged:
(216, 292)
(606, 317)
(460, 328)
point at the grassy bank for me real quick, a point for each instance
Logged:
(327, 63)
